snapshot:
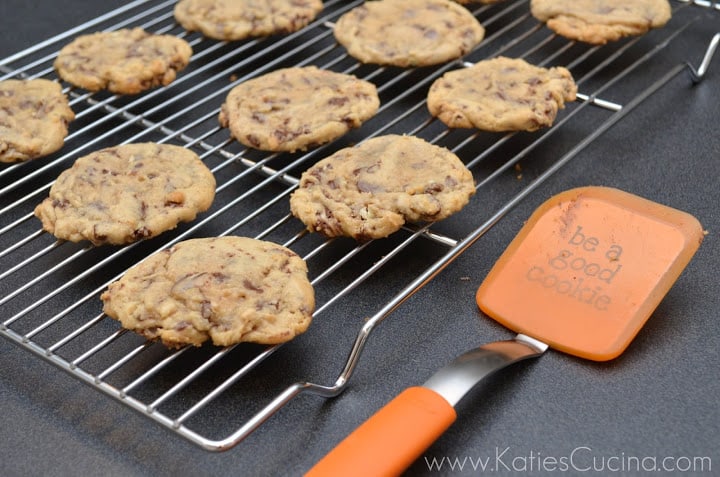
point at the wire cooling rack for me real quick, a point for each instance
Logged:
(49, 290)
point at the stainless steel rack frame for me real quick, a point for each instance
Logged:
(49, 290)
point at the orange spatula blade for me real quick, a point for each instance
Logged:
(588, 268)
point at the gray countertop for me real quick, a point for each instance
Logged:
(655, 405)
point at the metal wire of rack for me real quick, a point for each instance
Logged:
(49, 289)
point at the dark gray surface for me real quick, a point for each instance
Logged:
(660, 399)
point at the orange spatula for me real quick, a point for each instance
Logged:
(582, 276)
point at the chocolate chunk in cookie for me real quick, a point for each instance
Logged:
(501, 94)
(408, 33)
(34, 117)
(227, 290)
(371, 190)
(297, 108)
(124, 61)
(600, 21)
(240, 19)
(126, 193)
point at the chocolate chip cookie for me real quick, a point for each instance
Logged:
(296, 108)
(34, 117)
(408, 33)
(485, 2)
(126, 61)
(600, 21)
(501, 94)
(227, 290)
(240, 19)
(126, 193)
(371, 190)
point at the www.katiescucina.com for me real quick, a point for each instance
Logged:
(581, 459)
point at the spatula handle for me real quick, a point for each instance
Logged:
(392, 439)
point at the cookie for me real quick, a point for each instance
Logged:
(240, 19)
(126, 61)
(501, 94)
(484, 2)
(297, 108)
(371, 190)
(600, 21)
(408, 33)
(34, 115)
(227, 290)
(126, 193)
